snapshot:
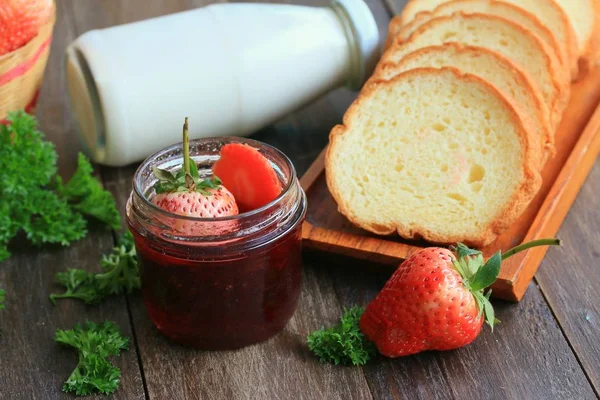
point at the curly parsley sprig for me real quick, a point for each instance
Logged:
(343, 343)
(94, 342)
(120, 274)
(34, 198)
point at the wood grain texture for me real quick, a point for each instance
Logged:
(526, 357)
(32, 365)
(282, 367)
(570, 277)
(577, 147)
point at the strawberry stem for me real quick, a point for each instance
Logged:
(533, 243)
(186, 154)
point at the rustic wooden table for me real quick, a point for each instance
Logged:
(546, 347)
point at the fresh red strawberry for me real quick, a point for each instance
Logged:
(249, 176)
(217, 203)
(184, 194)
(435, 301)
(20, 21)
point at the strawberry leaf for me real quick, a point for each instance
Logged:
(163, 175)
(479, 299)
(212, 183)
(464, 251)
(194, 171)
(487, 274)
(460, 266)
(488, 310)
(474, 263)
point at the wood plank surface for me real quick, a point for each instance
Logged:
(570, 277)
(446, 375)
(282, 367)
(32, 365)
(526, 357)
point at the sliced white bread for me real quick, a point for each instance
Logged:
(499, 71)
(491, 7)
(584, 16)
(413, 7)
(548, 12)
(394, 27)
(432, 153)
(495, 33)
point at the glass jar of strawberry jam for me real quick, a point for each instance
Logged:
(218, 283)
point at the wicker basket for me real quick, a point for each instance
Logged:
(22, 71)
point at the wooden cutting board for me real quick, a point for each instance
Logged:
(577, 147)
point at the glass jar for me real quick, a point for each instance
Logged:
(218, 283)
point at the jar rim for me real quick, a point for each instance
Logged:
(226, 140)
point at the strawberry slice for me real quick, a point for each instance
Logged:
(248, 175)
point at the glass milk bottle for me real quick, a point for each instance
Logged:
(231, 68)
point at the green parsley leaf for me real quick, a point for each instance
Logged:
(121, 271)
(50, 219)
(27, 161)
(343, 343)
(85, 194)
(34, 198)
(94, 342)
(120, 274)
(79, 284)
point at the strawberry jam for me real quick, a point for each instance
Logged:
(218, 283)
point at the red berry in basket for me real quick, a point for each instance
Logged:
(20, 21)
(435, 300)
(249, 176)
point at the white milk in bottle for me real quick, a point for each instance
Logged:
(231, 68)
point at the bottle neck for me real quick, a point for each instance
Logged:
(355, 78)
(362, 36)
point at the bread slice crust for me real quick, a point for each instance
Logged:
(593, 49)
(526, 189)
(394, 27)
(593, 52)
(413, 7)
(557, 92)
(588, 43)
(534, 114)
(492, 7)
(554, 18)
